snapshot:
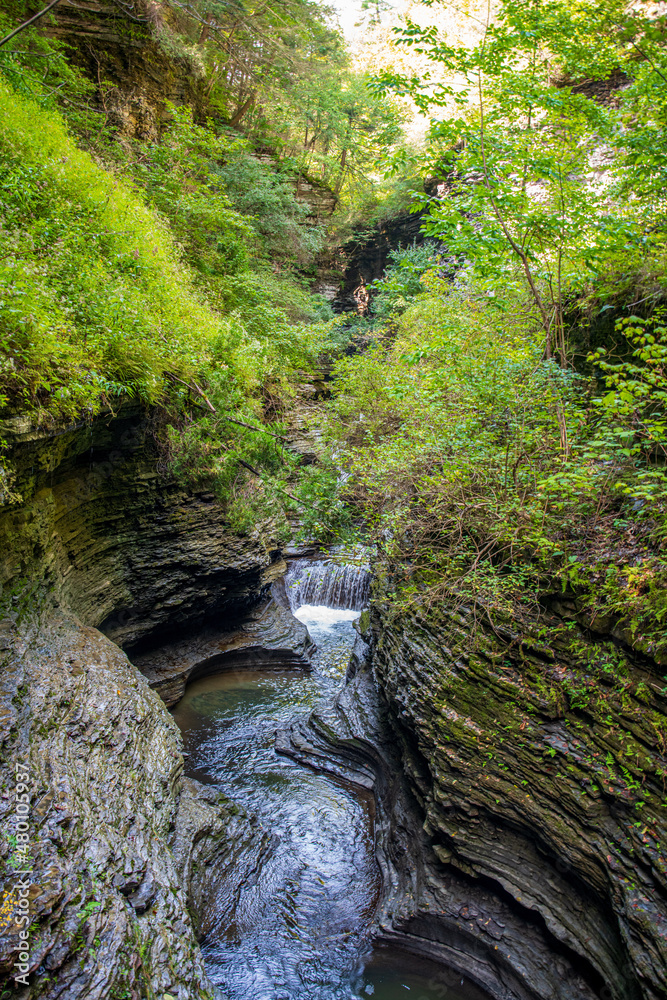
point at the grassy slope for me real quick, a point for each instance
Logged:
(95, 300)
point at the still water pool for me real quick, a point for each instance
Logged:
(301, 928)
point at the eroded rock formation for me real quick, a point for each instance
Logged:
(267, 636)
(539, 764)
(518, 769)
(535, 758)
(135, 63)
(107, 908)
(366, 256)
(103, 533)
(123, 849)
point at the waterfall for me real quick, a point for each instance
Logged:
(325, 583)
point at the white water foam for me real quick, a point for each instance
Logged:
(324, 618)
(332, 632)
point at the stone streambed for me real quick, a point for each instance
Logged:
(538, 873)
(538, 870)
(298, 922)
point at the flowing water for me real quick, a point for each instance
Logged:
(319, 582)
(300, 929)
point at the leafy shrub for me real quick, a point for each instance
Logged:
(485, 471)
(95, 301)
(200, 178)
(401, 282)
(267, 197)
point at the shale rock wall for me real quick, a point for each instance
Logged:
(269, 636)
(124, 852)
(118, 47)
(519, 779)
(103, 533)
(366, 257)
(537, 757)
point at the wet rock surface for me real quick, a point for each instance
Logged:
(538, 767)
(109, 899)
(427, 908)
(123, 852)
(218, 852)
(268, 635)
(102, 532)
(515, 841)
(518, 771)
(367, 256)
(300, 927)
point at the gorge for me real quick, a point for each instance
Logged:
(332, 640)
(163, 858)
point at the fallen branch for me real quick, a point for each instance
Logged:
(278, 489)
(193, 388)
(256, 472)
(231, 420)
(248, 466)
(258, 430)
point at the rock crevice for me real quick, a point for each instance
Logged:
(125, 852)
(509, 837)
(536, 755)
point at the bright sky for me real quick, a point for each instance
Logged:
(348, 12)
(372, 47)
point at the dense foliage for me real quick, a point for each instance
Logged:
(95, 301)
(504, 435)
(507, 436)
(282, 70)
(174, 268)
(553, 187)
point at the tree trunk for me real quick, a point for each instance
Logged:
(341, 175)
(243, 110)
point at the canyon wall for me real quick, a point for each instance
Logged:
(124, 850)
(519, 775)
(536, 752)
(103, 533)
(134, 62)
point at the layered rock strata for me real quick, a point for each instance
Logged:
(128, 51)
(538, 759)
(427, 908)
(538, 866)
(124, 853)
(366, 259)
(113, 828)
(102, 532)
(268, 635)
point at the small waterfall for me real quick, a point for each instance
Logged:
(325, 583)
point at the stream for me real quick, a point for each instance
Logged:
(302, 927)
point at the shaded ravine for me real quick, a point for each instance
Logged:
(301, 924)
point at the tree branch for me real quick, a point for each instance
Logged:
(26, 24)
(258, 430)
